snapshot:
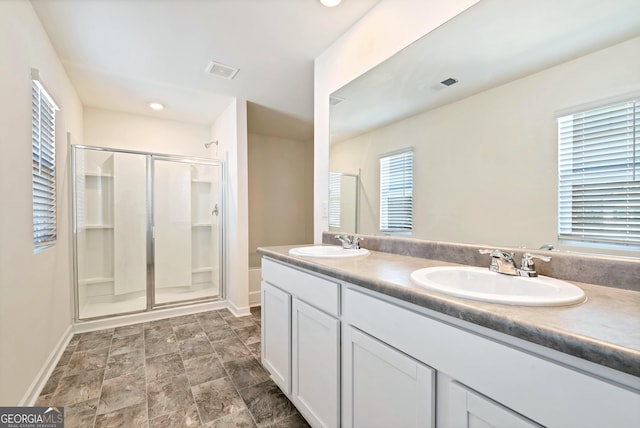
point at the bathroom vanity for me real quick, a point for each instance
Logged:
(354, 343)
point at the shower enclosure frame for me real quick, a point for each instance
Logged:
(150, 240)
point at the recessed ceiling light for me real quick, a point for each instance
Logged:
(330, 3)
(156, 106)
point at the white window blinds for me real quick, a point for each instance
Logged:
(334, 199)
(43, 155)
(599, 174)
(396, 192)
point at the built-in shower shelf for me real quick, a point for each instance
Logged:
(97, 286)
(98, 226)
(202, 270)
(96, 280)
(98, 175)
(201, 180)
(201, 225)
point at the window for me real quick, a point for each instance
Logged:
(599, 174)
(334, 199)
(396, 192)
(43, 155)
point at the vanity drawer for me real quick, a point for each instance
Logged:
(315, 290)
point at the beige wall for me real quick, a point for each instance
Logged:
(491, 156)
(104, 128)
(35, 288)
(280, 192)
(390, 26)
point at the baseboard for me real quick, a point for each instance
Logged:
(255, 298)
(239, 312)
(43, 375)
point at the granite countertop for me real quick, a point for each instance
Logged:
(604, 330)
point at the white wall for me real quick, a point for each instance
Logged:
(104, 128)
(502, 163)
(280, 192)
(35, 291)
(390, 26)
(230, 130)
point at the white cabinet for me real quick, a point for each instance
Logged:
(301, 340)
(383, 387)
(316, 364)
(406, 366)
(468, 409)
(276, 335)
(501, 382)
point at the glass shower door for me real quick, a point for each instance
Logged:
(187, 230)
(110, 217)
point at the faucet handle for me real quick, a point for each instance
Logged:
(527, 261)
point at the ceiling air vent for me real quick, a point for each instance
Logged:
(450, 81)
(222, 70)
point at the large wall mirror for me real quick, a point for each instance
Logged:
(486, 147)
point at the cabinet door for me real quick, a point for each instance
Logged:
(276, 335)
(468, 409)
(316, 365)
(384, 387)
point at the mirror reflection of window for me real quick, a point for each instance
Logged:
(396, 192)
(599, 174)
(343, 202)
(334, 200)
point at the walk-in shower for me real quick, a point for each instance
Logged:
(148, 231)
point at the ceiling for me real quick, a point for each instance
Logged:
(121, 55)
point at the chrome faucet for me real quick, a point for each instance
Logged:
(349, 242)
(503, 262)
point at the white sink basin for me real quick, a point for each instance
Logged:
(482, 284)
(327, 251)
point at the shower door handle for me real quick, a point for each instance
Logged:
(215, 210)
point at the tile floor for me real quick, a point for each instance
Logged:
(199, 370)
